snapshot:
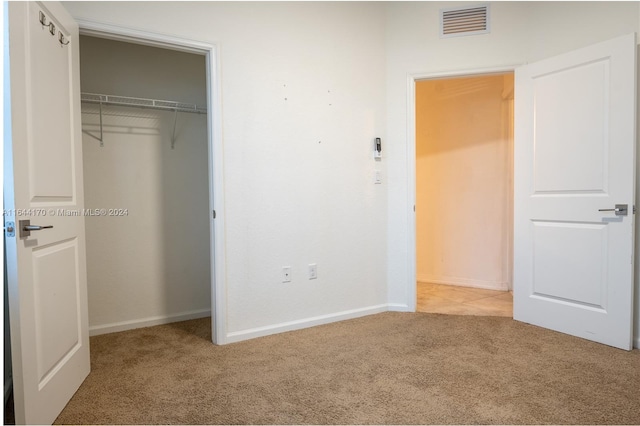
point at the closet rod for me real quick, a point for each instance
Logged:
(176, 107)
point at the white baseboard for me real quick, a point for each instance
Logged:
(96, 330)
(465, 282)
(238, 336)
(398, 307)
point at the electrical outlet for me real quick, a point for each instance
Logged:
(286, 274)
(377, 177)
(313, 271)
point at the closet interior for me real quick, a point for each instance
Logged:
(146, 177)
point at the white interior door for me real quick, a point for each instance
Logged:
(46, 270)
(575, 155)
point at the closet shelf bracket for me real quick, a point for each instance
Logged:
(157, 104)
(101, 134)
(173, 134)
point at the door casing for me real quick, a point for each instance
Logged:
(214, 136)
(411, 285)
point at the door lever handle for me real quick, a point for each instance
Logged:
(36, 227)
(26, 227)
(619, 210)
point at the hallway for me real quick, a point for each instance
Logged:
(456, 300)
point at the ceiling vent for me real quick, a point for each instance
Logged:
(464, 21)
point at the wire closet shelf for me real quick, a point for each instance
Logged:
(96, 98)
(176, 107)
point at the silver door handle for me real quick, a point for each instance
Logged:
(36, 227)
(26, 227)
(619, 210)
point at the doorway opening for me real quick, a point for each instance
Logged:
(464, 194)
(215, 176)
(145, 161)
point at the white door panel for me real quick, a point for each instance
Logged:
(46, 270)
(560, 130)
(55, 278)
(558, 270)
(50, 89)
(575, 155)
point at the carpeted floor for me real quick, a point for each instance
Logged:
(390, 368)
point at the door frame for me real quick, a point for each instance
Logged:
(411, 285)
(215, 148)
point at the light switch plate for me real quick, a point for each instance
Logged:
(313, 271)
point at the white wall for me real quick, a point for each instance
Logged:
(520, 32)
(320, 206)
(151, 265)
(463, 181)
(303, 97)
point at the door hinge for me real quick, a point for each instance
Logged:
(634, 209)
(213, 213)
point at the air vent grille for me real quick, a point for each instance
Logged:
(464, 21)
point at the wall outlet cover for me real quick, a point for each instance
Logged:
(286, 274)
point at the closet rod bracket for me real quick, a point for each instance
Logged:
(173, 134)
(101, 133)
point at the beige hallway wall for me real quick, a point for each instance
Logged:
(464, 148)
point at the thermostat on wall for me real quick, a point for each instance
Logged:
(377, 150)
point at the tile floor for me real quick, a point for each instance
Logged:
(455, 300)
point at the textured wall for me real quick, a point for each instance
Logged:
(291, 200)
(303, 97)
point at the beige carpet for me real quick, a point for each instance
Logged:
(400, 368)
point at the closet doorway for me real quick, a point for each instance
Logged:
(464, 194)
(146, 177)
